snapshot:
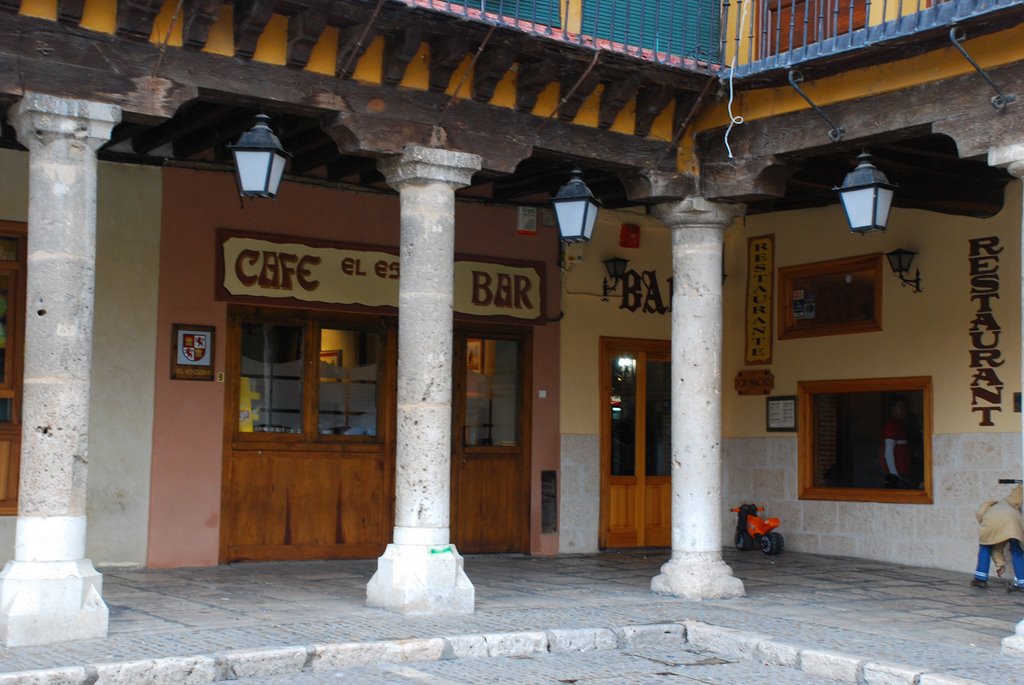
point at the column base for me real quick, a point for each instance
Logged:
(1013, 645)
(42, 602)
(421, 579)
(697, 575)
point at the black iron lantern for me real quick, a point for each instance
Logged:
(575, 209)
(866, 195)
(259, 160)
(900, 261)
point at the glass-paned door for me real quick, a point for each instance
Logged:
(490, 464)
(636, 483)
(12, 307)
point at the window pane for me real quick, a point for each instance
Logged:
(869, 440)
(622, 405)
(349, 372)
(659, 418)
(492, 392)
(8, 249)
(271, 384)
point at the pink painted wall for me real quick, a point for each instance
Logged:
(189, 415)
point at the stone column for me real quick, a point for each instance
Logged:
(421, 571)
(1011, 157)
(51, 592)
(696, 569)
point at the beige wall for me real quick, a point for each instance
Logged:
(124, 347)
(923, 334)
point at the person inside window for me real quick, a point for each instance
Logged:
(895, 450)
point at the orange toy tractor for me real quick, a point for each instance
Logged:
(751, 529)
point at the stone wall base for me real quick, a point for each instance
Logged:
(421, 579)
(42, 602)
(697, 575)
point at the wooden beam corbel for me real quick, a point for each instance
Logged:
(10, 5)
(614, 97)
(69, 12)
(135, 18)
(446, 54)
(352, 44)
(531, 79)
(490, 69)
(651, 101)
(399, 49)
(651, 186)
(571, 107)
(197, 18)
(251, 17)
(304, 30)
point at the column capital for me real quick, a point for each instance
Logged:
(1010, 157)
(423, 165)
(38, 119)
(696, 211)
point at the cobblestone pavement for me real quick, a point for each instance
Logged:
(930, 620)
(664, 666)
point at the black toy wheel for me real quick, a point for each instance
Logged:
(743, 541)
(772, 543)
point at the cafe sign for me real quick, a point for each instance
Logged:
(321, 273)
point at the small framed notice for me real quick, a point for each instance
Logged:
(192, 352)
(781, 413)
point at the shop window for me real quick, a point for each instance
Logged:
(866, 440)
(304, 378)
(492, 392)
(12, 304)
(831, 298)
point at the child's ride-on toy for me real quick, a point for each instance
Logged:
(751, 529)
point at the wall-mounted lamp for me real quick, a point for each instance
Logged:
(900, 261)
(575, 209)
(259, 160)
(616, 268)
(866, 195)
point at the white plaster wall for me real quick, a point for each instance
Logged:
(124, 342)
(965, 468)
(579, 506)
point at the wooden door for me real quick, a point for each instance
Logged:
(309, 447)
(490, 443)
(636, 478)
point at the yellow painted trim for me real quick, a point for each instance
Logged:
(44, 9)
(164, 20)
(417, 73)
(371, 65)
(98, 15)
(272, 46)
(323, 58)
(221, 40)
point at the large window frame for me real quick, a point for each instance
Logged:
(813, 298)
(810, 487)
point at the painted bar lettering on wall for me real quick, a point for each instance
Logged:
(985, 355)
(760, 274)
(321, 273)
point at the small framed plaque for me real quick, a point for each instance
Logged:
(192, 352)
(781, 413)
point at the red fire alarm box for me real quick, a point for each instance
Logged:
(629, 235)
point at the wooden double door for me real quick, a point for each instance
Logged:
(309, 451)
(636, 450)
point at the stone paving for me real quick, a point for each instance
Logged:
(799, 606)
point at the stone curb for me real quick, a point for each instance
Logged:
(318, 657)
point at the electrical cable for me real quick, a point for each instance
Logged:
(734, 119)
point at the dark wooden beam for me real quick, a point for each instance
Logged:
(214, 136)
(490, 69)
(315, 158)
(197, 18)
(190, 118)
(304, 30)
(343, 167)
(251, 17)
(135, 18)
(10, 5)
(614, 98)
(352, 44)
(585, 85)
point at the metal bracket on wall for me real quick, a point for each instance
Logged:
(999, 101)
(836, 133)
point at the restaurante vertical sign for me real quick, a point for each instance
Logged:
(760, 272)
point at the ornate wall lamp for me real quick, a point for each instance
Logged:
(900, 261)
(616, 268)
(575, 210)
(259, 160)
(866, 195)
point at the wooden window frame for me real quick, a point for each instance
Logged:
(806, 390)
(10, 431)
(787, 322)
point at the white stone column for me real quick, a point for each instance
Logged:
(421, 571)
(51, 592)
(696, 569)
(1011, 157)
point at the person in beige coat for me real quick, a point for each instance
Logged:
(999, 524)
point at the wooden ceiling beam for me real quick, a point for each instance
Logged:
(315, 158)
(190, 118)
(215, 135)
